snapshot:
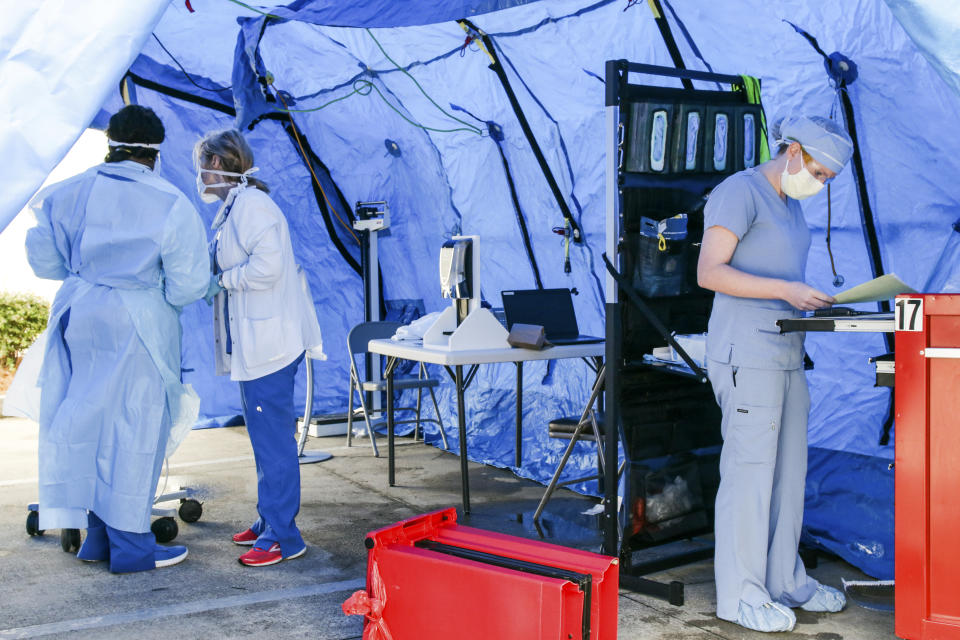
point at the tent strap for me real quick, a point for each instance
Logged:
(313, 163)
(669, 40)
(866, 211)
(521, 221)
(497, 68)
(230, 111)
(842, 75)
(173, 93)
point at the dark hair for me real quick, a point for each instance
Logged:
(134, 123)
(234, 152)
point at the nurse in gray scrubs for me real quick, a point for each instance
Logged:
(754, 256)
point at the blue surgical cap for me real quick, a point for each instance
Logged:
(823, 139)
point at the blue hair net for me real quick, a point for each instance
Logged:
(825, 140)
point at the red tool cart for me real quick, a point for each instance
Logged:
(429, 578)
(928, 466)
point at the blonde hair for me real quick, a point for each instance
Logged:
(235, 155)
(785, 144)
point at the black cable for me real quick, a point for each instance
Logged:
(866, 211)
(184, 71)
(837, 279)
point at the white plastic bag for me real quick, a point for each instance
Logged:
(23, 396)
(416, 329)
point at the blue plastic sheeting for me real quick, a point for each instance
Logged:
(933, 25)
(445, 176)
(849, 509)
(946, 275)
(390, 14)
(53, 77)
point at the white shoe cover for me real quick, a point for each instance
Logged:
(768, 617)
(825, 600)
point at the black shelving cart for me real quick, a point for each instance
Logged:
(667, 147)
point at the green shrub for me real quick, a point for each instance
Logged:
(22, 318)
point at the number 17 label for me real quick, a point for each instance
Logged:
(908, 314)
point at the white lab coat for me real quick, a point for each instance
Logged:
(271, 313)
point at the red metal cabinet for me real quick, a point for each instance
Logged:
(928, 467)
(433, 579)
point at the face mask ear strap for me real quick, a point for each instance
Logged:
(245, 174)
(143, 145)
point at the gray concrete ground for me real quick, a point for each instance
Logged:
(48, 593)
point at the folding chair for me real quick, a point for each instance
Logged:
(357, 341)
(576, 429)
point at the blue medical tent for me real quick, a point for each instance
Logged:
(396, 101)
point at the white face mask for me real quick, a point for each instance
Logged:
(212, 197)
(799, 185)
(202, 189)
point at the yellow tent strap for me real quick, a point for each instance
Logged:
(752, 87)
(306, 159)
(476, 35)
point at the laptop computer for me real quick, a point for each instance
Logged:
(550, 308)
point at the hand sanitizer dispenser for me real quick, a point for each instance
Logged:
(456, 274)
(465, 324)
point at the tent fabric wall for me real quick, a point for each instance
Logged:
(447, 178)
(390, 14)
(933, 25)
(58, 62)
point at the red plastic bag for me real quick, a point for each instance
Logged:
(360, 603)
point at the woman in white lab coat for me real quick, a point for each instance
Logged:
(264, 321)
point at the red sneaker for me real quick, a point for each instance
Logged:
(245, 538)
(261, 558)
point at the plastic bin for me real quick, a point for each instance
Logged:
(429, 578)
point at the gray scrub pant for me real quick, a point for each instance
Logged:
(763, 468)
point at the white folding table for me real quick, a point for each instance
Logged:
(454, 362)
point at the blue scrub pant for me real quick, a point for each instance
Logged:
(763, 468)
(127, 552)
(268, 412)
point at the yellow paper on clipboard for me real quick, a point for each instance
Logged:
(882, 288)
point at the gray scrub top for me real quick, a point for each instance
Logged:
(774, 241)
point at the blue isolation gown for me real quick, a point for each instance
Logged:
(131, 250)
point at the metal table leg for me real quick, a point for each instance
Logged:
(519, 447)
(309, 457)
(462, 423)
(388, 371)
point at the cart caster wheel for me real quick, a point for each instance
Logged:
(164, 529)
(33, 524)
(190, 510)
(70, 540)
